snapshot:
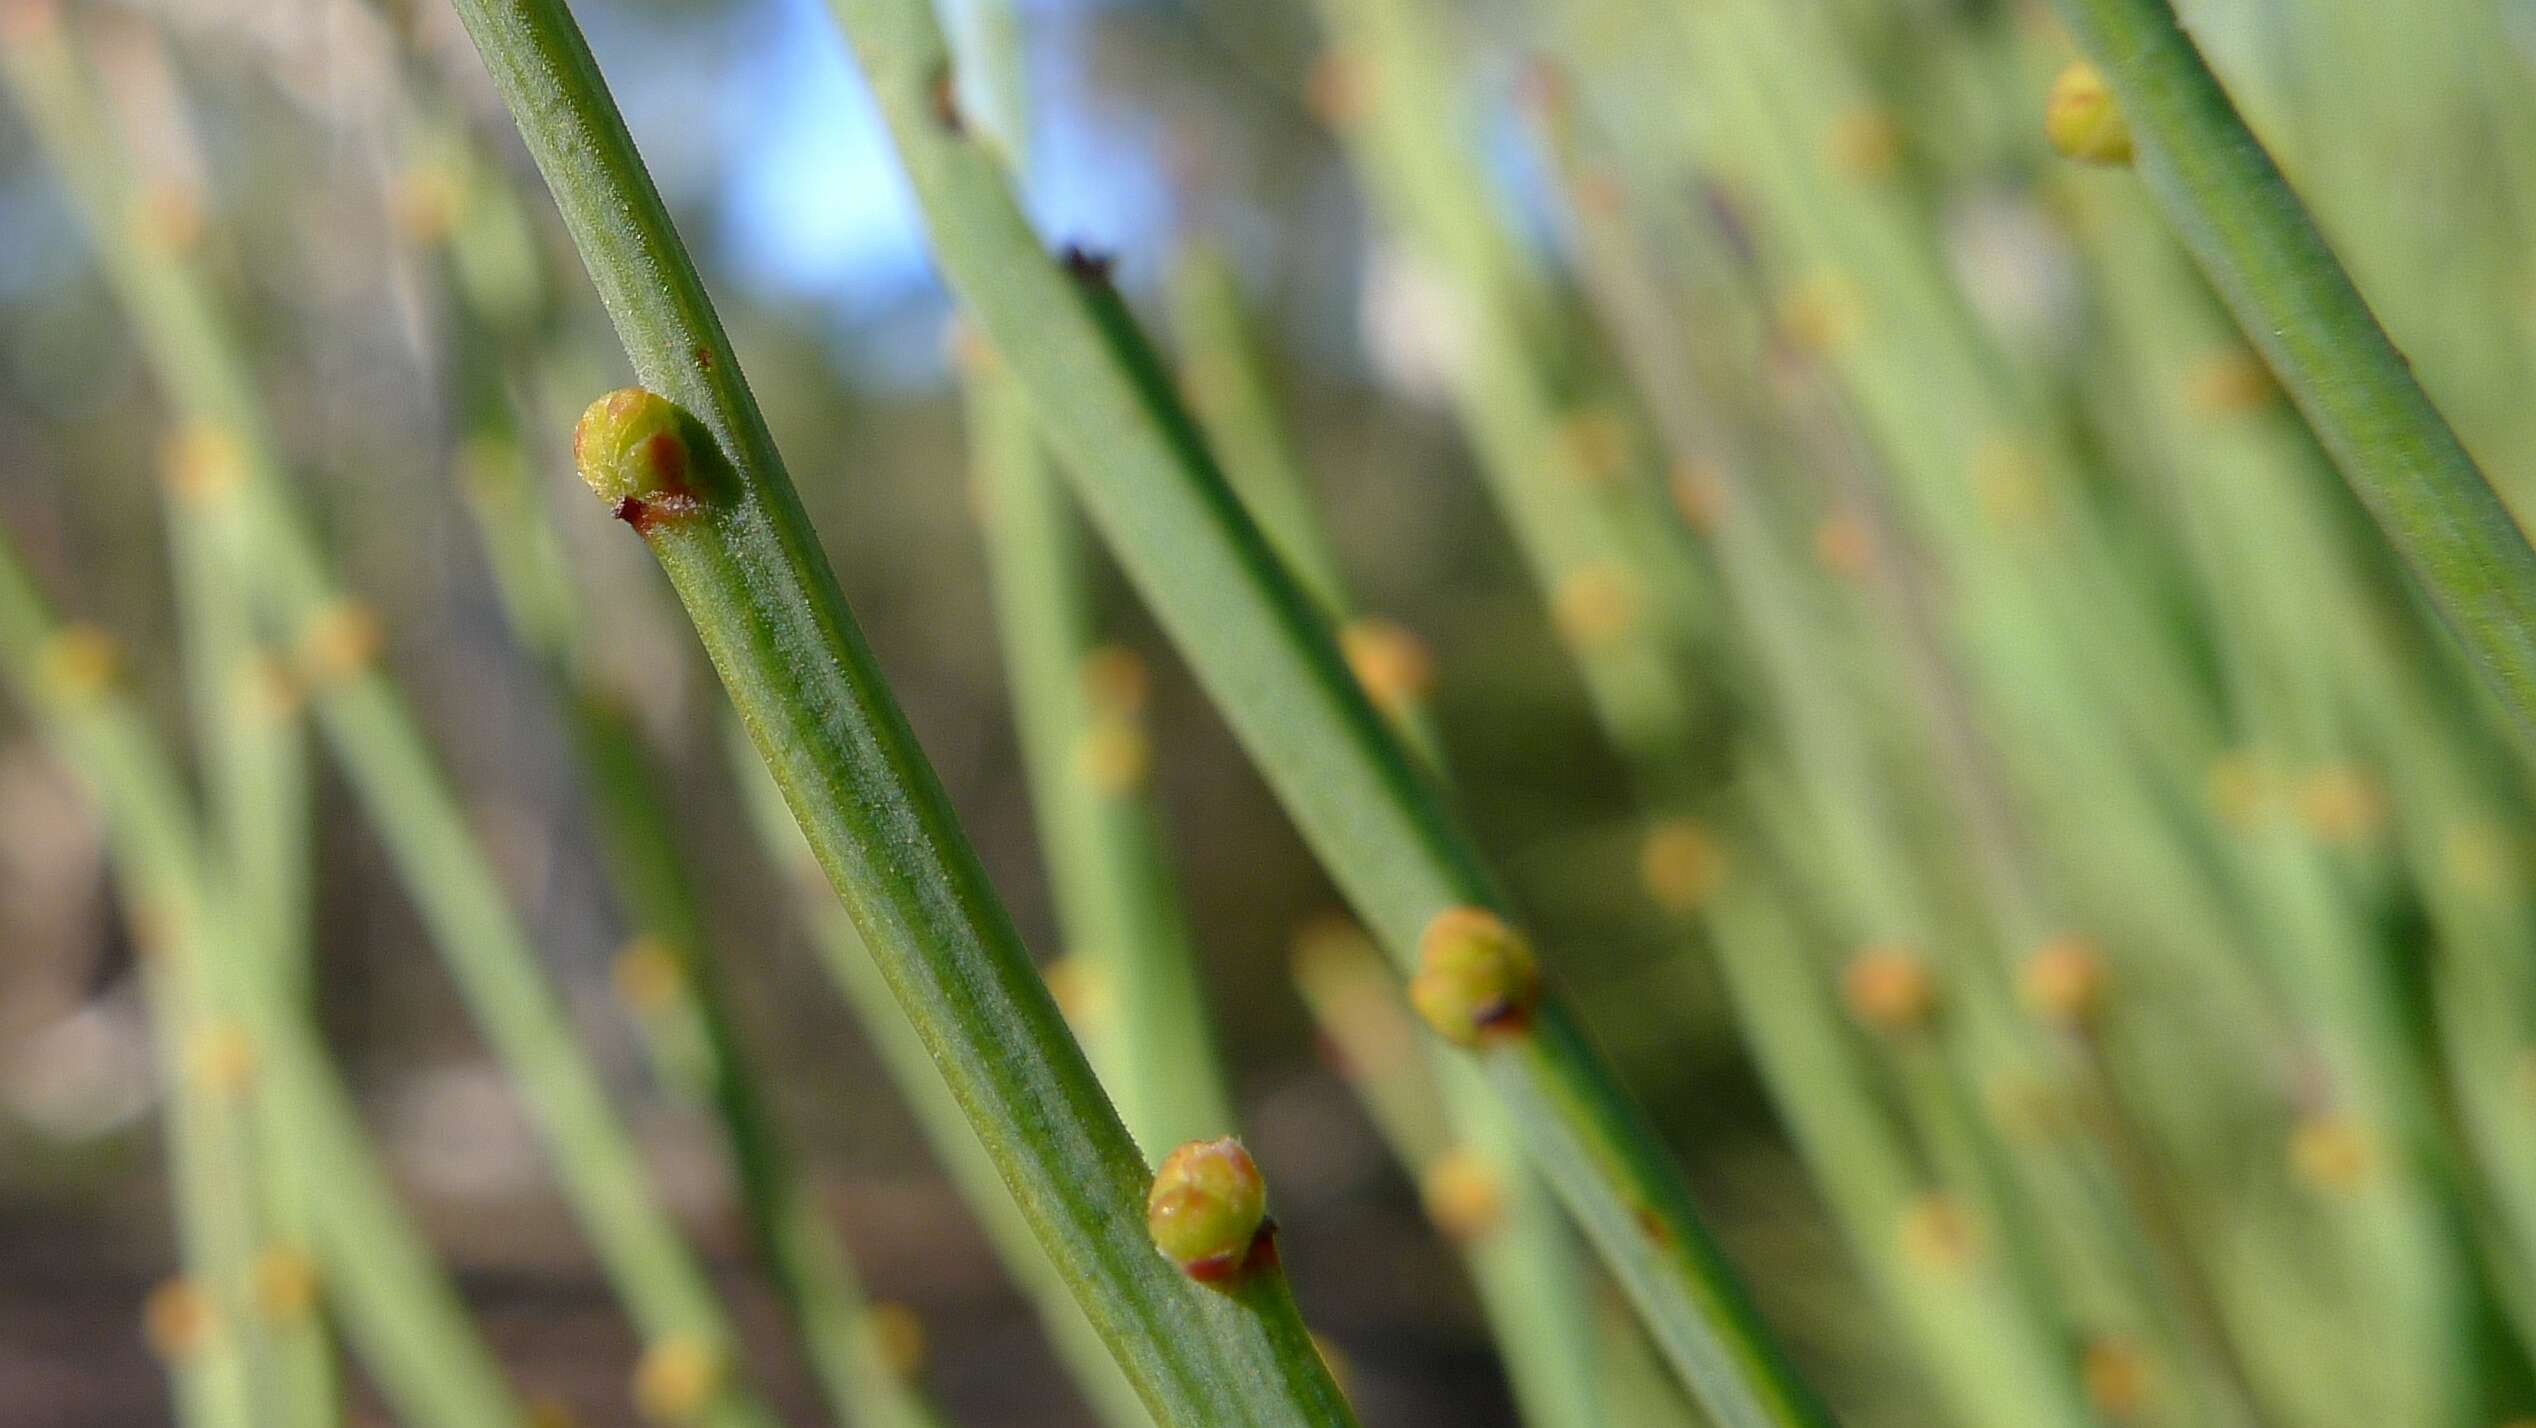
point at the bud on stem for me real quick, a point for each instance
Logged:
(2081, 119)
(1208, 1213)
(637, 452)
(1476, 979)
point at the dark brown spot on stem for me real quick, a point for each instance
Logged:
(1087, 265)
(1653, 1227)
(944, 95)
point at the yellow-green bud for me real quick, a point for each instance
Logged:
(1476, 977)
(2082, 120)
(1208, 1212)
(633, 451)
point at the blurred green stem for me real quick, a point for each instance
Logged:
(769, 613)
(430, 1365)
(2254, 239)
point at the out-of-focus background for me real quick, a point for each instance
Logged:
(292, 125)
(317, 157)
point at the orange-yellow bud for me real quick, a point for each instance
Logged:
(177, 1319)
(286, 1285)
(899, 1334)
(2064, 982)
(2116, 1378)
(2082, 120)
(2330, 1152)
(1462, 1195)
(1208, 1211)
(1681, 864)
(339, 642)
(1115, 680)
(1595, 604)
(647, 976)
(1889, 987)
(1388, 661)
(1936, 1237)
(636, 452)
(1113, 756)
(78, 662)
(1476, 979)
(678, 1377)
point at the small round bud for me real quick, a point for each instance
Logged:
(1843, 545)
(1822, 313)
(1336, 88)
(1593, 444)
(1698, 489)
(1113, 756)
(546, 1412)
(2330, 1152)
(1462, 1195)
(1115, 680)
(286, 1285)
(201, 461)
(223, 1059)
(632, 450)
(646, 975)
(1476, 979)
(1681, 865)
(268, 688)
(1391, 663)
(2243, 788)
(23, 22)
(899, 1336)
(678, 1377)
(426, 202)
(1208, 1210)
(2115, 1376)
(1936, 1236)
(1080, 991)
(338, 643)
(2008, 481)
(2064, 982)
(1889, 987)
(78, 662)
(2082, 121)
(1595, 604)
(177, 1320)
(2340, 804)
(167, 217)
(1864, 145)
(2234, 382)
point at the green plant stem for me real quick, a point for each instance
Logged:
(2254, 239)
(254, 759)
(427, 1360)
(426, 832)
(937, 1114)
(768, 611)
(1086, 753)
(696, 1038)
(1454, 1139)
(1524, 1264)
(1271, 665)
